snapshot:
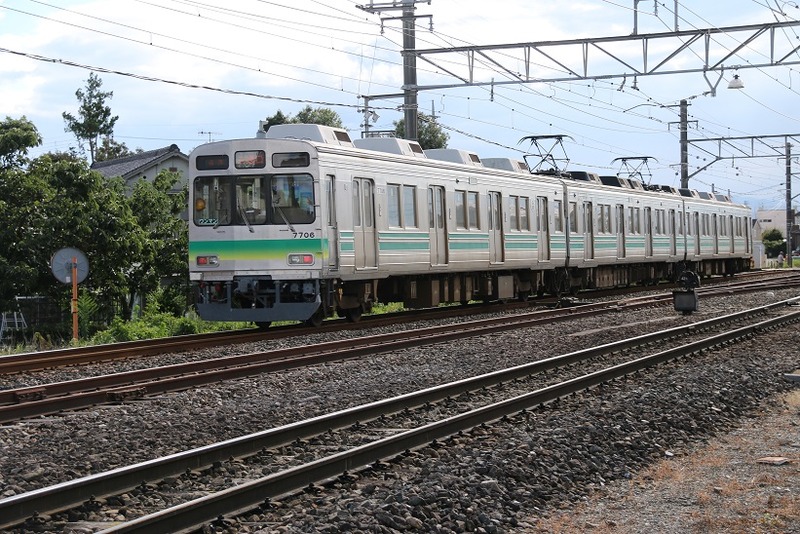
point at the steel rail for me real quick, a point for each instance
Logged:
(16, 509)
(55, 397)
(20, 403)
(249, 495)
(30, 361)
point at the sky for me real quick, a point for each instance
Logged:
(186, 72)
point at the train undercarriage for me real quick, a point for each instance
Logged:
(263, 300)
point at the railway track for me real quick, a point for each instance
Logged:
(44, 399)
(330, 466)
(32, 361)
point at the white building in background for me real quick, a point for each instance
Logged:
(776, 219)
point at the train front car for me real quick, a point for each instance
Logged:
(256, 248)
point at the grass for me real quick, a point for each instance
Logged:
(153, 324)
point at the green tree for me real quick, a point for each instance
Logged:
(16, 137)
(111, 149)
(773, 241)
(278, 118)
(165, 245)
(307, 115)
(91, 214)
(133, 239)
(429, 133)
(320, 115)
(94, 116)
(22, 212)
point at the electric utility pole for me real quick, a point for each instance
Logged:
(684, 126)
(789, 211)
(410, 90)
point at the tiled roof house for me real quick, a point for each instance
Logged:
(146, 165)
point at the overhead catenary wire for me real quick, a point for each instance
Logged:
(533, 105)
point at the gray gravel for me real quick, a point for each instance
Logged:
(499, 479)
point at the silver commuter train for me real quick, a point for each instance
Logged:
(302, 223)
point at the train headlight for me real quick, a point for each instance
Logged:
(301, 259)
(199, 204)
(207, 261)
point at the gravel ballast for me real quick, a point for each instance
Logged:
(511, 477)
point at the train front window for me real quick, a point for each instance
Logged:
(212, 201)
(254, 200)
(292, 199)
(250, 201)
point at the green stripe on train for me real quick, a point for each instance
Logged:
(259, 249)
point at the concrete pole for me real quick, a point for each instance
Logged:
(789, 204)
(409, 70)
(684, 130)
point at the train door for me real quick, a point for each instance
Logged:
(672, 236)
(648, 233)
(588, 231)
(438, 228)
(333, 227)
(364, 223)
(620, 218)
(543, 228)
(746, 233)
(496, 250)
(715, 229)
(697, 230)
(729, 224)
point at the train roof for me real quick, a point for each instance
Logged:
(506, 164)
(391, 145)
(454, 155)
(338, 136)
(585, 176)
(309, 132)
(690, 193)
(615, 181)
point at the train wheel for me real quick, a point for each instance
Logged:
(523, 296)
(263, 325)
(353, 314)
(316, 319)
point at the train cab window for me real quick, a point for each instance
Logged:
(212, 201)
(250, 201)
(292, 199)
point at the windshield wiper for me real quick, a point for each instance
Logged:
(243, 213)
(283, 216)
